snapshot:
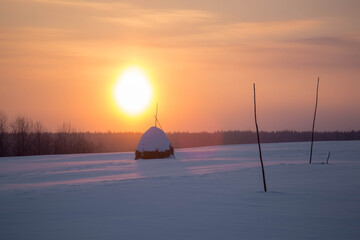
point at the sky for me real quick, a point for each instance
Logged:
(60, 61)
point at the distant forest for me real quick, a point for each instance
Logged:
(22, 137)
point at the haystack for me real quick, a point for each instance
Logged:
(154, 144)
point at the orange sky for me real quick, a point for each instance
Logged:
(59, 61)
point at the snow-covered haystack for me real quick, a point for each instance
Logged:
(154, 144)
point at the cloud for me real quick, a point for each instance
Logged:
(127, 29)
(33, 33)
(154, 18)
(172, 27)
(97, 5)
(218, 33)
(334, 41)
(272, 29)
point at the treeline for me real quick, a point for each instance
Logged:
(123, 142)
(182, 140)
(22, 136)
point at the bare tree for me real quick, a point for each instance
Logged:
(63, 139)
(80, 144)
(39, 138)
(3, 134)
(21, 129)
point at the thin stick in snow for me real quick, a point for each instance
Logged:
(327, 160)
(258, 138)
(158, 122)
(156, 114)
(156, 118)
(313, 126)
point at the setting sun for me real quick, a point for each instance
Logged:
(133, 92)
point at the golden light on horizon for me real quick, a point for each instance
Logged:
(133, 92)
(200, 73)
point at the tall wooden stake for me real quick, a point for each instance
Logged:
(313, 126)
(327, 160)
(158, 122)
(258, 138)
(156, 114)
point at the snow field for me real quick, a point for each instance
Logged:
(205, 193)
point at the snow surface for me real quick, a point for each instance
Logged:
(153, 139)
(205, 193)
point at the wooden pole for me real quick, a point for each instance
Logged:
(156, 114)
(327, 160)
(157, 120)
(258, 139)
(313, 126)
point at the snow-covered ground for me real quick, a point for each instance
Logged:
(205, 193)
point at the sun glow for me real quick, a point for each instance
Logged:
(133, 92)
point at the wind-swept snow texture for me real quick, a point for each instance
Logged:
(205, 193)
